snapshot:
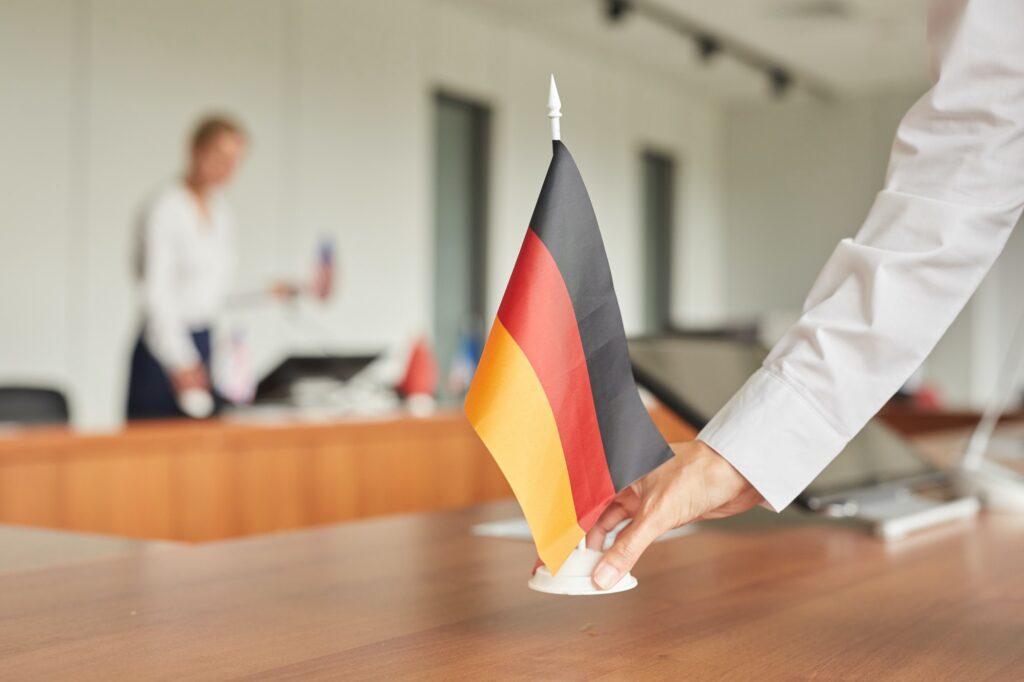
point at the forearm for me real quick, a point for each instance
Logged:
(170, 340)
(881, 303)
(166, 333)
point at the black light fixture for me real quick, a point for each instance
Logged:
(617, 10)
(707, 46)
(780, 81)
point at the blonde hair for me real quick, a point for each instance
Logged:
(211, 127)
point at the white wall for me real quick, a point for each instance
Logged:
(611, 112)
(997, 309)
(96, 97)
(802, 175)
(38, 258)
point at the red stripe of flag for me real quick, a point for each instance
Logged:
(538, 312)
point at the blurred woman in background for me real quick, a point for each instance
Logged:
(186, 261)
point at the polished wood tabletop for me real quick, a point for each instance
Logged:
(419, 596)
(23, 549)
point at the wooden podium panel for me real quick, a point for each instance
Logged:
(211, 480)
(200, 481)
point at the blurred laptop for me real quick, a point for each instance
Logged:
(287, 380)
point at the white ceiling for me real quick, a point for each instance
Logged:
(848, 46)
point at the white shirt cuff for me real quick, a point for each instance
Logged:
(774, 437)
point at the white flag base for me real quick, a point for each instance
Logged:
(574, 578)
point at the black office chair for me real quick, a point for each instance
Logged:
(26, 405)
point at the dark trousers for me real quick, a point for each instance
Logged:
(150, 393)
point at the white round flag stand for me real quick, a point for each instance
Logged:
(575, 576)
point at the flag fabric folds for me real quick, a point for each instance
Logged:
(553, 397)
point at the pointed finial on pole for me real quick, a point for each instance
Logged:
(554, 110)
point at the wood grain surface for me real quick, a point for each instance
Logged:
(419, 597)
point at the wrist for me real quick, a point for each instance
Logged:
(721, 476)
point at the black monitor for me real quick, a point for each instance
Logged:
(276, 386)
(694, 376)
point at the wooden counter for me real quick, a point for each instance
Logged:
(200, 481)
(197, 481)
(419, 597)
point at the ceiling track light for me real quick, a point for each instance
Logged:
(780, 79)
(707, 46)
(617, 10)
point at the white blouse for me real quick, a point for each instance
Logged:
(187, 260)
(953, 192)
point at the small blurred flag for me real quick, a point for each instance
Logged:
(239, 384)
(553, 398)
(323, 276)
(420, 377)
(467, 356)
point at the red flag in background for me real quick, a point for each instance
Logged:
(421, 372)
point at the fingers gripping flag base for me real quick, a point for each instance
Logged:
(553, 398)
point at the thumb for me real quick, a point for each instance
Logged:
(629, 544)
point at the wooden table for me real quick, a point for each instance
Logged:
(417, 596)
(912, 421)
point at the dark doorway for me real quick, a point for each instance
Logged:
(658, 217)
(460, 221)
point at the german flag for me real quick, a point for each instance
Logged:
(553, 397)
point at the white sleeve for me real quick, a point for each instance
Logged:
(230, 252)
(953, 192)
(167, 334)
